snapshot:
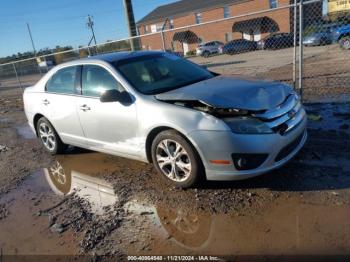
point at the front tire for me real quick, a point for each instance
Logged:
(206, 54)
(345, 42)
(49, 137)
(176, 159)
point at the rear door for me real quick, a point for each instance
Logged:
(107, 126)
(59, 105)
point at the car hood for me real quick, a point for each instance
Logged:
(234, 93)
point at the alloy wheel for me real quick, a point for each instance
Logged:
(58, 173)
(173, 160)
(47, 136)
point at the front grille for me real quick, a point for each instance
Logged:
(285, 117)
(289, 148)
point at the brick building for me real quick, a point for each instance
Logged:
(192, 17)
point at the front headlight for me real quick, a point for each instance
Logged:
(247, 125)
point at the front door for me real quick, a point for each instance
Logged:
(107, 126)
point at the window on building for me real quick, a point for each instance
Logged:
(153, 28)
(171, 23)
(156, 28)
(198, 18)
(273, 3)
(145, 29)
(227, 12)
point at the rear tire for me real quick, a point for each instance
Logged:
(176, 159)
(49, 137)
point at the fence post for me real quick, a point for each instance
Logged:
(301, 48)
(295, 46)
(17, 77)
(163, 42)
(162, 33)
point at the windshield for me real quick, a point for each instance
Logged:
(158, 73)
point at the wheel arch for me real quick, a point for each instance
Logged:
(343, 35)
(155, 131)
(35, 122)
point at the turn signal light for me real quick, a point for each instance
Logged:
(220, 162)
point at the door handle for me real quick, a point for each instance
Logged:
(46, 102)
(85, 108)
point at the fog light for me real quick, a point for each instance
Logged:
(248, 161)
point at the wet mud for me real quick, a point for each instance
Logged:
(85, 202)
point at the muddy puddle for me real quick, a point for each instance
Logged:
(286, 229)
(329, 116)
(25, 132)
(23, 232)
(289, 226)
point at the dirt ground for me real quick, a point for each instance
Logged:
(87, 203)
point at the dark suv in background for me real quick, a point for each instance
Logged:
(276, 41)
(238, 46)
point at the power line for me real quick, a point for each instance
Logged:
(90, 24)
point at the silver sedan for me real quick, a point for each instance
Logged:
(157, 107)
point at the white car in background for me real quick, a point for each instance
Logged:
(209, 48)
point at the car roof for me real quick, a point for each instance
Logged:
(110, 57)
(116, 56)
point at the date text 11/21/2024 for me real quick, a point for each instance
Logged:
(173, 258)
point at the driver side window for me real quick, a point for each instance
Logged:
(96, 80)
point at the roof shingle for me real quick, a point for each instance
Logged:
(183, 7)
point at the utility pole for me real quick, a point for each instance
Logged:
(31, 39)
(163, 28)
(130, 19)
(90, 24)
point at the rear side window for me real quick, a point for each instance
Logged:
(63, 81)
(96, 80)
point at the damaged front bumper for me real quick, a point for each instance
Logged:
(224, 145)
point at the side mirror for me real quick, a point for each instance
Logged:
(113, 95)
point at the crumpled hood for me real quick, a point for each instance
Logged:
(231, 92)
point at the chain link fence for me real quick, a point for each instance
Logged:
(301, 43)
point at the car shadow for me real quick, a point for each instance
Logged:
(209, 65)
(74, 150)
